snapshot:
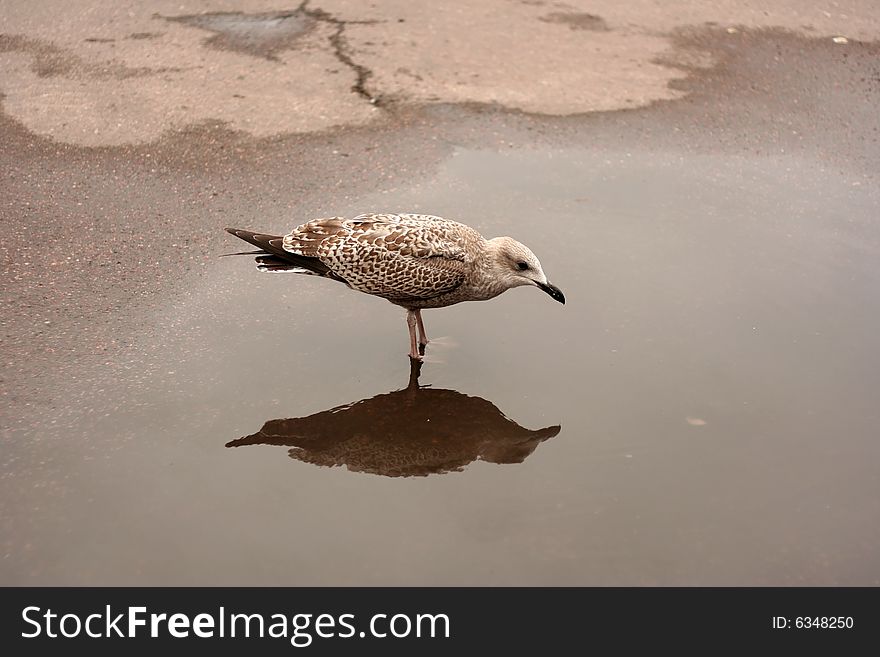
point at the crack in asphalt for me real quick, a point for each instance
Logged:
(343, 51)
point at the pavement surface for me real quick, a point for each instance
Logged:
(132, 133)
(107, 73)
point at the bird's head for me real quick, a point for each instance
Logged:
(514, 264)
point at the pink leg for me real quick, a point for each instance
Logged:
(411, 321)
(423, 337)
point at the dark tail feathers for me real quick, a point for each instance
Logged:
(274, 245)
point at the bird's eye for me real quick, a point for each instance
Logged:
(522, 266)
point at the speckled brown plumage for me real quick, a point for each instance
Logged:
(413, 260)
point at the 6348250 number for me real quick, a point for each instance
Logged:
(824, 622)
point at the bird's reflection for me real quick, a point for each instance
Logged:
(416, 431)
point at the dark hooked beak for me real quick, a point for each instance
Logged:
(553, 291)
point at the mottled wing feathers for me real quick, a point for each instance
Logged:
(397, 257)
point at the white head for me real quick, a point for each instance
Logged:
(513, 265)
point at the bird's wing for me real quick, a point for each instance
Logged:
(397, 257)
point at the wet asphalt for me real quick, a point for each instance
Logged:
(712, 376)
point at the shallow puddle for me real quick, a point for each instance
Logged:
(703, 410)
(260, 35)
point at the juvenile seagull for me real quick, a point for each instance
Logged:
(415, 261)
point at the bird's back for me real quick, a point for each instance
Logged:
(401, 257)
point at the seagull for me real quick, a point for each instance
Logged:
(415, 261)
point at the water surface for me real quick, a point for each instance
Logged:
(703, 410)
